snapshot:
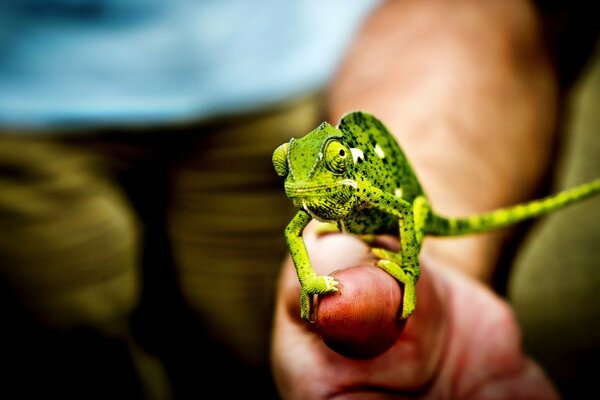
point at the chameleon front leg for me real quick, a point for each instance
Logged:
(310, 283)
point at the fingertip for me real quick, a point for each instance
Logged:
(361, 321)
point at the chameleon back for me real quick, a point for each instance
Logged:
(379, 162)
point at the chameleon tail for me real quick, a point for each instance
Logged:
(442, 226)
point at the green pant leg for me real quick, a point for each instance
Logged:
(69, 271)
(227, 220)
(69, 243)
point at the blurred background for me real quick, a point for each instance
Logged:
(140, 219)
(555, 279)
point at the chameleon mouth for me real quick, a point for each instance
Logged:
(324, 210)
(308, 190)
(323, 202)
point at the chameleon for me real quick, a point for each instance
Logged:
(356, 177)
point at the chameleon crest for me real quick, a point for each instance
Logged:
(356, 176)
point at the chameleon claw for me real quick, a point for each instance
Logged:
(383, 254)
(319, 285)
(379, 253)
(331, 284)
(325, 228)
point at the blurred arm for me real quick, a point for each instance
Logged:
(470, 92)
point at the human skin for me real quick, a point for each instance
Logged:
(466, 88)
(469, 91)
(462, 342)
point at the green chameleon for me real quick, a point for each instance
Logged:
(356, 176)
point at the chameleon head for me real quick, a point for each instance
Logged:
(318, 171)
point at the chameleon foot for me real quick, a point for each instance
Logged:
(409, 297)
(317, 285)
(325, 229)
(384, 254)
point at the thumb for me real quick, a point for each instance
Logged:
(336, 358)
(361, 320)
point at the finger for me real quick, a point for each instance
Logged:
(361, 320)
(328, 254)
(300, 355)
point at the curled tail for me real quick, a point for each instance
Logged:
(443, 226)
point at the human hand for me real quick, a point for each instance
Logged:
(462, 342)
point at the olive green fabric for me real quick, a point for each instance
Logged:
(132, 261)
(555, 282)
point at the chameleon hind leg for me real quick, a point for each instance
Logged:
(326, 228)
(403, 265)
(391, 262)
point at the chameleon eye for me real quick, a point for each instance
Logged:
(280, 159)
(335, 156)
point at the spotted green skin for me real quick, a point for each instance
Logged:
(356, 176)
